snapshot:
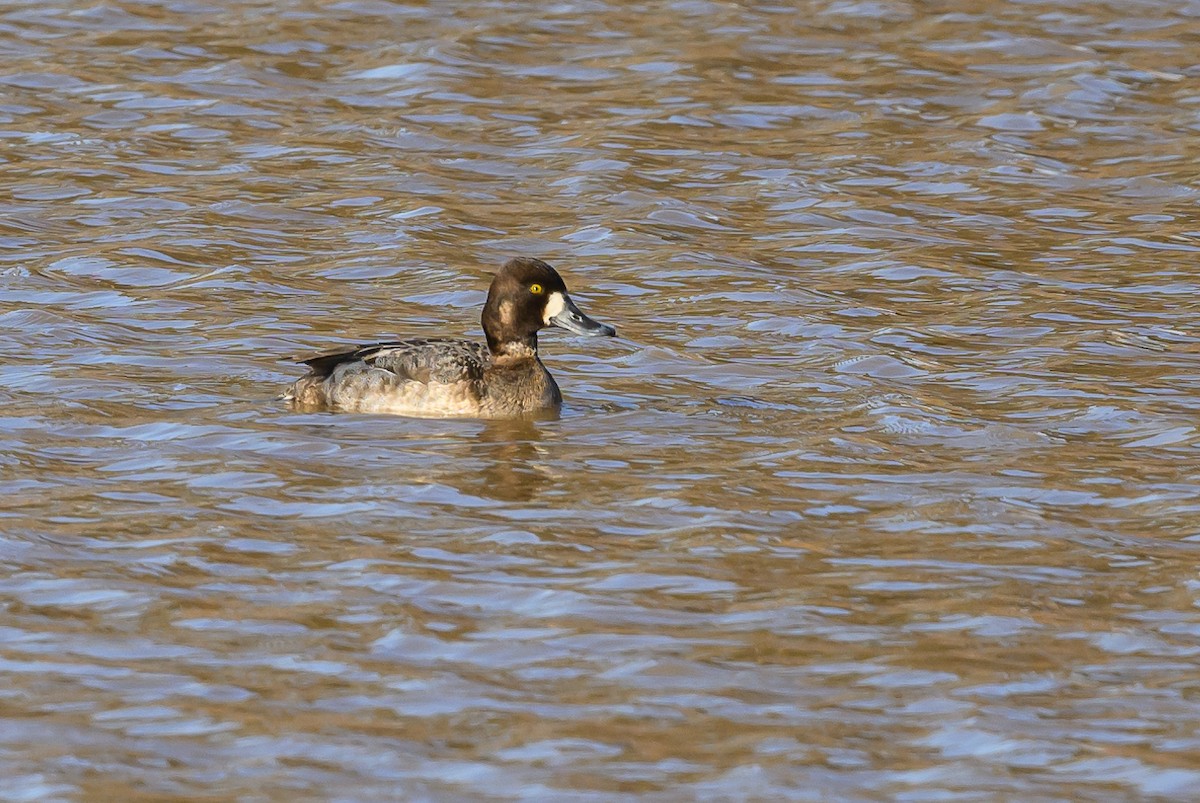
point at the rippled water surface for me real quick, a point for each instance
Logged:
(888, 489)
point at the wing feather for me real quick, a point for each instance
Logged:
(424, 360)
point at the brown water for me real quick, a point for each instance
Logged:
(889, 488)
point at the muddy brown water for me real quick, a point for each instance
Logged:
(887, 490)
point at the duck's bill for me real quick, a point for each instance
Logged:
(571, 319)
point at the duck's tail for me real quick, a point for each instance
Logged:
(306, 392)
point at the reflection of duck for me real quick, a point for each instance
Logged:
(448, 377)
(513, 470)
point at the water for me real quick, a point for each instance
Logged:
(888, 488)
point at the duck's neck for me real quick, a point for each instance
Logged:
(506, 340)
(513, 350)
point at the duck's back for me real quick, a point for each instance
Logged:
(420, 376)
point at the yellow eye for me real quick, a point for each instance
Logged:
(536, 289)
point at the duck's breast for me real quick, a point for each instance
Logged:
(518, 388)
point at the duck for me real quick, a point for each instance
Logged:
(437, 377)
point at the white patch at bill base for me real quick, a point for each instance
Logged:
(555, 304)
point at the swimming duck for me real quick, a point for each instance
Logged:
(432, 377)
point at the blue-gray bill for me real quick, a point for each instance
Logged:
(575, 321)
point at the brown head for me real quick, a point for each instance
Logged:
(528, 295)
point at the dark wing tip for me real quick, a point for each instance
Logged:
(323, 363)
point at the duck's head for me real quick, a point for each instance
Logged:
(528, 295)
